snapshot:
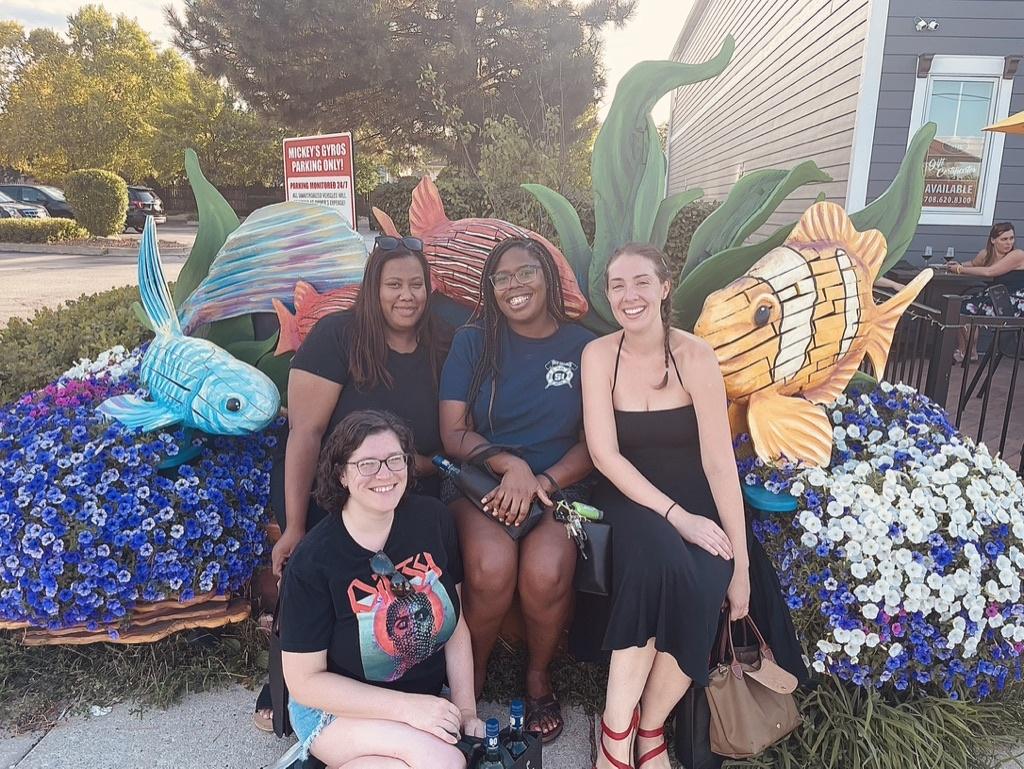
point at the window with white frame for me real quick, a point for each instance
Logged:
(962, 95)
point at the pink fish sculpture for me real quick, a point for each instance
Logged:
(456, 250)
(310, 306)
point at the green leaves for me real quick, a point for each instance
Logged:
(628, 168)
(751, 201)
(897, 211)
(570, 232)
(668, 209)
(217, 220)
(716, 272)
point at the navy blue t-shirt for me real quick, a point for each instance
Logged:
(538, 399)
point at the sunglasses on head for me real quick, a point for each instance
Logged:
(384, 568)
(390, 243)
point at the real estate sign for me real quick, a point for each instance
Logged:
(318, 169)
(952, 172)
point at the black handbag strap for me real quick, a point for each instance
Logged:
(485, 451)
(275, 671)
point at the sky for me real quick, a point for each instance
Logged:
(650, 34)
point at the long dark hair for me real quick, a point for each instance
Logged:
(367, 335)
(995, 232)
(657, 258)
(342, 443)
(492, 321)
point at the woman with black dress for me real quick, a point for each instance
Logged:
(657, 427)
(370, 617)
(386, 353)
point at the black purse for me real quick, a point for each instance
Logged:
(593, 547)
(478, 461)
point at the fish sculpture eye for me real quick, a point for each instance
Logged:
(234, 404)
(762, 315)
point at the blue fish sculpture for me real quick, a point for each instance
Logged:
(191, 382)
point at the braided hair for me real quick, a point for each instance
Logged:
(657, 259)
(492, 320)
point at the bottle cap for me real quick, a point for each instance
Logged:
(492, 728)
(516, 710)
(441, 463)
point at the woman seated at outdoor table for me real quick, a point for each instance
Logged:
(510, 397)
(370, 620)
(1005, 265)
(655, 414)
(386, 353)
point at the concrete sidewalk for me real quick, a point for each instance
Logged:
(207, 730)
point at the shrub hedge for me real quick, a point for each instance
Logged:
(99, 199)
(40, 230)
(467, 198)
(35, 352)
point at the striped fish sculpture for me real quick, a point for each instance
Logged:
(790, 334)
(310, 307)
(191, 382)
(261, 260)
(456, 250)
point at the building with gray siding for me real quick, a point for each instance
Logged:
(846, 83)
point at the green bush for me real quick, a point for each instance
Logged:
(682, 229)
(40, 230)
(35, 352)
(99, 199)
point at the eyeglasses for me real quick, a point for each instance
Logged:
(383, 567)
(395, 463)
(524, 276)
(390, 243)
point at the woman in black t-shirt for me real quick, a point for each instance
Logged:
(384, 354)
(370, 611)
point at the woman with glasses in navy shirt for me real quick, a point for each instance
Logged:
(511, 383)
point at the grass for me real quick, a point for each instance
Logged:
(39, 684)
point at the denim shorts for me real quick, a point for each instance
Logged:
(307, 723)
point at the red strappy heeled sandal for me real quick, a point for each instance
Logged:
(629, 733)
(653, 752)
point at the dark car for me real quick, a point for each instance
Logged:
(50, 198)
(143, 202)
(11, 208)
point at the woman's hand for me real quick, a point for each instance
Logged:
(510, 501)
(423, 465)
(434, 715)
(283, 549)
(738, 594)
(472, 726)
(702, 532)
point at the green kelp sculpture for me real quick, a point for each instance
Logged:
(629, 169)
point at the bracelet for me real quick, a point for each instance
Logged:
(670, 509)
(552, 481)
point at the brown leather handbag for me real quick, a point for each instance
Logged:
(751, 699)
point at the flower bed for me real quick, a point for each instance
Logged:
(902, 564)
(89, 526)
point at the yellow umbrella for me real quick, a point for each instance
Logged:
(1012, 125)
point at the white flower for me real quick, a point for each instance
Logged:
(870, 611)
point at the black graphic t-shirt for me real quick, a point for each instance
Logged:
(332, 600)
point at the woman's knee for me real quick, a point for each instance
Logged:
(490, 571)
(548, 579)
(440, 755)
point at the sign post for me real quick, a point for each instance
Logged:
(319, 169)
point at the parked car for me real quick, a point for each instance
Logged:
(143, 202)
(50, 198)
(11, 208)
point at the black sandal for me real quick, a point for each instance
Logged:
(542, 709)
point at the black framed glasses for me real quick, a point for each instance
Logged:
(384, 568)
(524, 276)
(395, 463)
(390, 243)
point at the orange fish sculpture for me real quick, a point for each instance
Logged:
(790, 334)
(456, 250)
(310, 306)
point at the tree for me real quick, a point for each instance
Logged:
(106, 97)
(84, 103)
(357, 64)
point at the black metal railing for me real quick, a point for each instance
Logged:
(979, 391)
